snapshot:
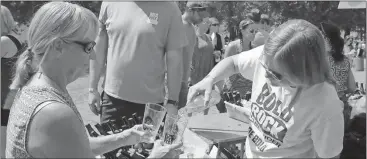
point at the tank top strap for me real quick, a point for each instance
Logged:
(25, 105)
(47, 94)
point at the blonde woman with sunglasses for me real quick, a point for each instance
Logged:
(44, 121)
(295, 110)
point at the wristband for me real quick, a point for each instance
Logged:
(173, 102)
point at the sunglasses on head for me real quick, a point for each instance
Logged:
(88, 47)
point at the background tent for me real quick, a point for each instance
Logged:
(352, 5)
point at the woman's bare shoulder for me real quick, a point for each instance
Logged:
(52, 123)
(54, 112)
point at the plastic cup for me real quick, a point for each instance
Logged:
(174, 128)
(153, 116)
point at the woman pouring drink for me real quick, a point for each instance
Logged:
(295, 110)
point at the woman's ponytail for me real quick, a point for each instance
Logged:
(23, 70)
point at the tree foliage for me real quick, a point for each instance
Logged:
(23, 11)
(232, 12)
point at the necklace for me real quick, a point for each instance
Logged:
(51, 82)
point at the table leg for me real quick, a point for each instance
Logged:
(242, 149)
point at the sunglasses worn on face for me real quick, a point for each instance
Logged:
(88, 47)
(199, 9)
(252, 31)
(206, 22)
(273, 74)
(215, 24)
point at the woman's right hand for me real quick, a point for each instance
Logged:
(204, 86)
(160, 150)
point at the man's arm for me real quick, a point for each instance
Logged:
(97, 60)
(174, 73)
(187, 54)
(176, 40)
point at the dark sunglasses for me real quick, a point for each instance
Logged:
(252, 31)
(215, 24)
(264, 21)
(88, 47)
(273, 74)
(199, 9)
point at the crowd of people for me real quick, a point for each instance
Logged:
(298, 75)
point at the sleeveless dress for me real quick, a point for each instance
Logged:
(340, 71)
(237, 82)
(202, 59)
(218, 46)
(26, 102)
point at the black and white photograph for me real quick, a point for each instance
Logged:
(183, 79)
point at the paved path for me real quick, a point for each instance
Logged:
(79, 92)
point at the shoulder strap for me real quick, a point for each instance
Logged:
(42, 105)
(15, 41)
(219, 41)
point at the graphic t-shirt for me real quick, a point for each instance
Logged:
(290, 122)
(140, 34)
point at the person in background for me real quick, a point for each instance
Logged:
(217, 40)
(340, 66)
(226, 39)
(264, 30)
(255, 16)
(355, 48)
(295, 110)
(194, 14)
(202, 60)
(262, 22)
(44, 121)
(363, 52)
(10, 49)
(347, 45)
(237, 82)
(138, 43)
(360, 51)
(10, 44)
(348, 49)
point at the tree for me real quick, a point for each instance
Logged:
(23, 11)
(319, 11)
(232, 12)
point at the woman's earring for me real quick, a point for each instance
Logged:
(58, 48)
